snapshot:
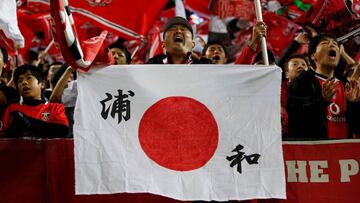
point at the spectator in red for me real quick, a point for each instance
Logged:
(248, 53)
(34, 116)
(318, 105)
(178, 44)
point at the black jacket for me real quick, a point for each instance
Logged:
(11, 95)
(307, 109)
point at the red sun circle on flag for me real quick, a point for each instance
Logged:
(179, 133)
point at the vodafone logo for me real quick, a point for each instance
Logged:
(334, 109)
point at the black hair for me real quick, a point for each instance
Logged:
(123, 49)
(292, 57)
(232, 27)
(259, 57)
(212, 43)
(21, 70)
(58, 73)
(56, 63)
(314, 42)
(5, 55)
(177, 20)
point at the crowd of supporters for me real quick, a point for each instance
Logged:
(319, 99)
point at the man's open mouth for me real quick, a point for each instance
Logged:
(25, 89)
(332, 54)
(179, 39)
(216, 57)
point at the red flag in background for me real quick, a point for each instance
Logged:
(281, 32)
(329, 14)
(34, 6)
(203, 27)
(234, 8)
(198, 6)
(341, 16)
(129, 20)
(37, 22)
(35, 16)
(10, 47)
(155, 42)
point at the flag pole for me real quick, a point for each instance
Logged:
(16, 55)
(135, 51)
(263, 40)
(49, 46)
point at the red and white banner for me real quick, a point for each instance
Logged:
(322, 171)
(80, 54)
(189, 133)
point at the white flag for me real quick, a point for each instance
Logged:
(200, 132)
(180, 9)
(8, 22)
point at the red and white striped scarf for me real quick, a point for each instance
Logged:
(79, 55)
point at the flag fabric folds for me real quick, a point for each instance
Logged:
(189, 133)
(129, 20)
(199, 6)
(8, 22)
(78, 54)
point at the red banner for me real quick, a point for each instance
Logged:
(281, 32)
(128, 20)
(234, 8)
(39, 171)
(322, 171)
(199, 6)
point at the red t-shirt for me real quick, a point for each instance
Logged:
(336, 121)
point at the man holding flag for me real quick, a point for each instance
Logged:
(149, 132)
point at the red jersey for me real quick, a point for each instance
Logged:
(336, 121)
(52, 113)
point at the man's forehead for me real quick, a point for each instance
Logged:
(216, 46)
(297, 59)
(179, 25)
(27, 73)
(116, 49)
(328, 39)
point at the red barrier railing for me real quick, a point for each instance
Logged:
(39, 171)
